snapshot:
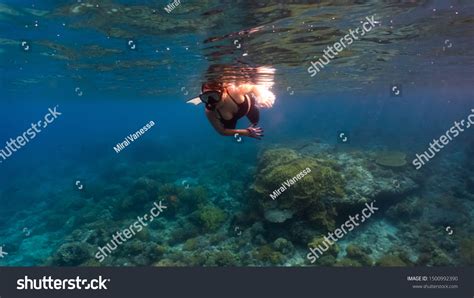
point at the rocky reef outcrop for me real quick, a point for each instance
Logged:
(337, 183)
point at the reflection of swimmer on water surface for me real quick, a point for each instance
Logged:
(227, 103)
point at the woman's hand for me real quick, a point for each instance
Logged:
(255, 132)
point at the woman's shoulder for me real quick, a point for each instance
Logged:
(236, 93)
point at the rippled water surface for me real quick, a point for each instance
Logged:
(137, 47)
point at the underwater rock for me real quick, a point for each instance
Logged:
(223, 258)
(259, 239)
(324, 261)
(466, 251)
(257, 228)
(72, 254)
(278, 216)
(392, 159)
(181, 198)
(147, 185)
(191, 244)
(408, 208)
(275, 170)
(271, 158)
(358, 254)
(144, 190)
(196, 243)
(90, 236)
(304, 197)
(366, 183)
(300, 232)
(134, 247)
(211, 217)
(182, 230)
(158, 250)
(92, 263)
(321, 244)
(337, 182)
(440, 258)
(268, 255)
(168, 263)
(313, 146)
(284, 246)
(140, 260)
(394, 259)
(247, 218)
(347, 262)
(391, 261)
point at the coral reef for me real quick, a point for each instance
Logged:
(359, 255)
(223, 258)
(268, 255)
(284, 246)
(211, 217)
(232, 224)
(408, 208)
(466, 251)
(393, 260)
(71, 254)
(320, 243)
(305, 197)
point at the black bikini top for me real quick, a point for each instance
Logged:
(243, 109)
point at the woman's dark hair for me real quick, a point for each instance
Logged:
(213, 86)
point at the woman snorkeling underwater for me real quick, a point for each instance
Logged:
(226, 103)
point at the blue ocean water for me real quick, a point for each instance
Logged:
(77, 55)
